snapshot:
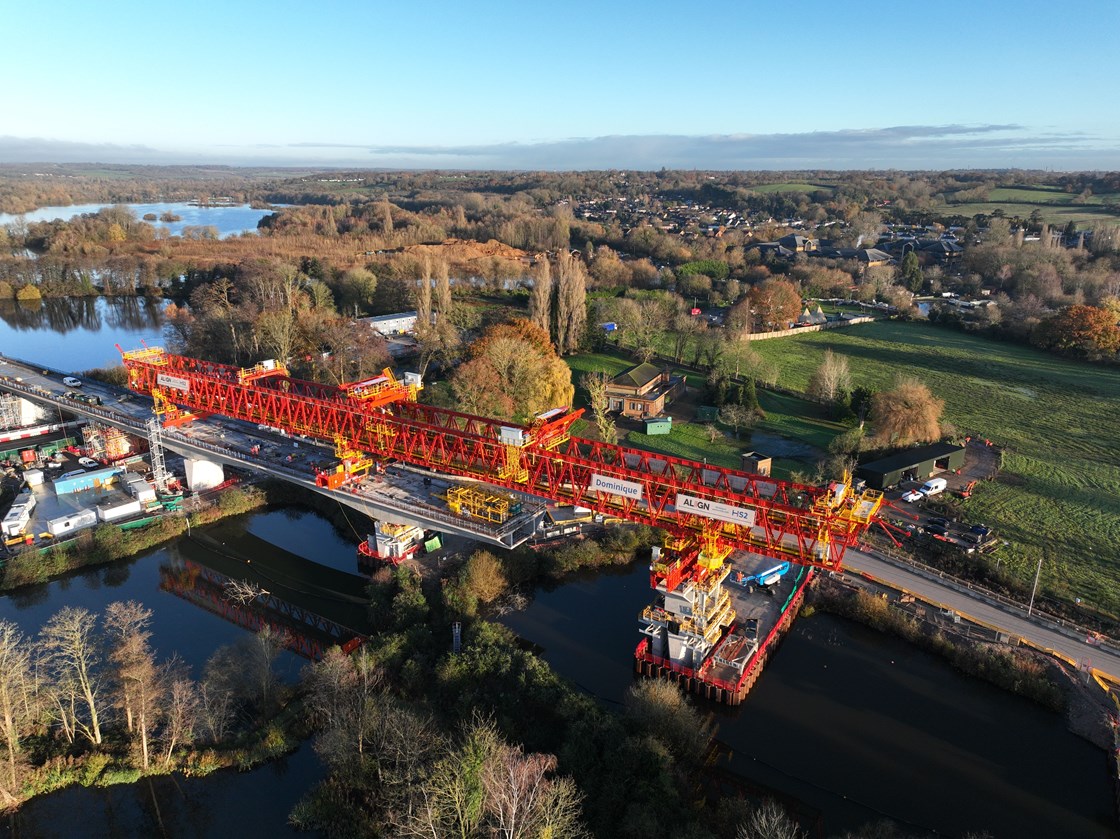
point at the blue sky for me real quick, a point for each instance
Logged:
(744, 85)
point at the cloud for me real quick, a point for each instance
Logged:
(900, 147)
(895, 147)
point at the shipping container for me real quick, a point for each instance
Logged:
(64, 525)
(77, 482)
(119, 510)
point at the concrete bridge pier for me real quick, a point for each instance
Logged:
(17, 412)
(203, 474)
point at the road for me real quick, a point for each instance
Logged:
(400, 494)
(1068, 642)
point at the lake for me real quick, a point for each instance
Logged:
(79, 333)
(229, 220)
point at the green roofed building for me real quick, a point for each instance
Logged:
(916, 464)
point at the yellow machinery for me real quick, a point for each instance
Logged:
(481, 504)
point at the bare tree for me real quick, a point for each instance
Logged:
(17, 704)
(443, 288)
(140, 681)
(738, 417)
(832, 379)
(242, 591)
(769, 821)
(182, 712)
(571, 302)
(540, 297)
(596, 386)
(523, 801)
(386, 217)
(73, 648)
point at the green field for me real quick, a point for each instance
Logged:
(787, 417)
(1059, 493)
(767, 189)
(1055, 205)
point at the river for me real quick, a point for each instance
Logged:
(228, 220)
(173, 805)
(855, 725)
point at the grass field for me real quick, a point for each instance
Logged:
(1055, 205)
(768, 189)
(1059, 493)
(789, 418)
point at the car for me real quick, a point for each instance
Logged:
(939, 520)
(87, 462)
(980, 530)
(936, 530)
(70, 381)
(912, 496)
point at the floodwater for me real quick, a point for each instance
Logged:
(79, 333)
(855, 725)
(229, 220)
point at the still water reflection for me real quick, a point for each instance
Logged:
(855, 725)
(78, 333)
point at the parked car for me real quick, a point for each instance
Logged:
(937, 530)
(87, 462)
(912, 496)
(980, 530)
(940, 520)
(70, 381)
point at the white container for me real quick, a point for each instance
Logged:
(65, 525)
(34, 477)
(15, 522)
(122, 510)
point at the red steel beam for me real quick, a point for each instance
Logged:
(786, 524)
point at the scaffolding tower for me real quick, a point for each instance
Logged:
(155, 448)
(10, 414)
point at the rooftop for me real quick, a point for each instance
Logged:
(910, 457)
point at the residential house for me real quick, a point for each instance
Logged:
(643, 391)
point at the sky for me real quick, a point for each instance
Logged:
(842, 84)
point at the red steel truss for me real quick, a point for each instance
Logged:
(722, 509)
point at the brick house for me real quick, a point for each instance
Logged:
(643, 391)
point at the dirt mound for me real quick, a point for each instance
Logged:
(464, 251)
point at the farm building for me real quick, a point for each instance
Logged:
(912, 465)
(658, 425)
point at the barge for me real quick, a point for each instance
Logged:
(714, 638)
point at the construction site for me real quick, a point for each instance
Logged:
(730, 577)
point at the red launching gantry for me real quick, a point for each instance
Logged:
(706, 510)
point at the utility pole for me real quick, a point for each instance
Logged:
(1034, 588)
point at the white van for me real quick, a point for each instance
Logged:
(933, 486)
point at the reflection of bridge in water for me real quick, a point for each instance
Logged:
(313, 607)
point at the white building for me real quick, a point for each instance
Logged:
(403, 323)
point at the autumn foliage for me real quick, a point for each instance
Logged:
(512, 372)
(1082, 331)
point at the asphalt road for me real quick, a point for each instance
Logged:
(969, 604)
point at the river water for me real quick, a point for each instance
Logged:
(855, 725)
(229, 221)
(213, 806)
